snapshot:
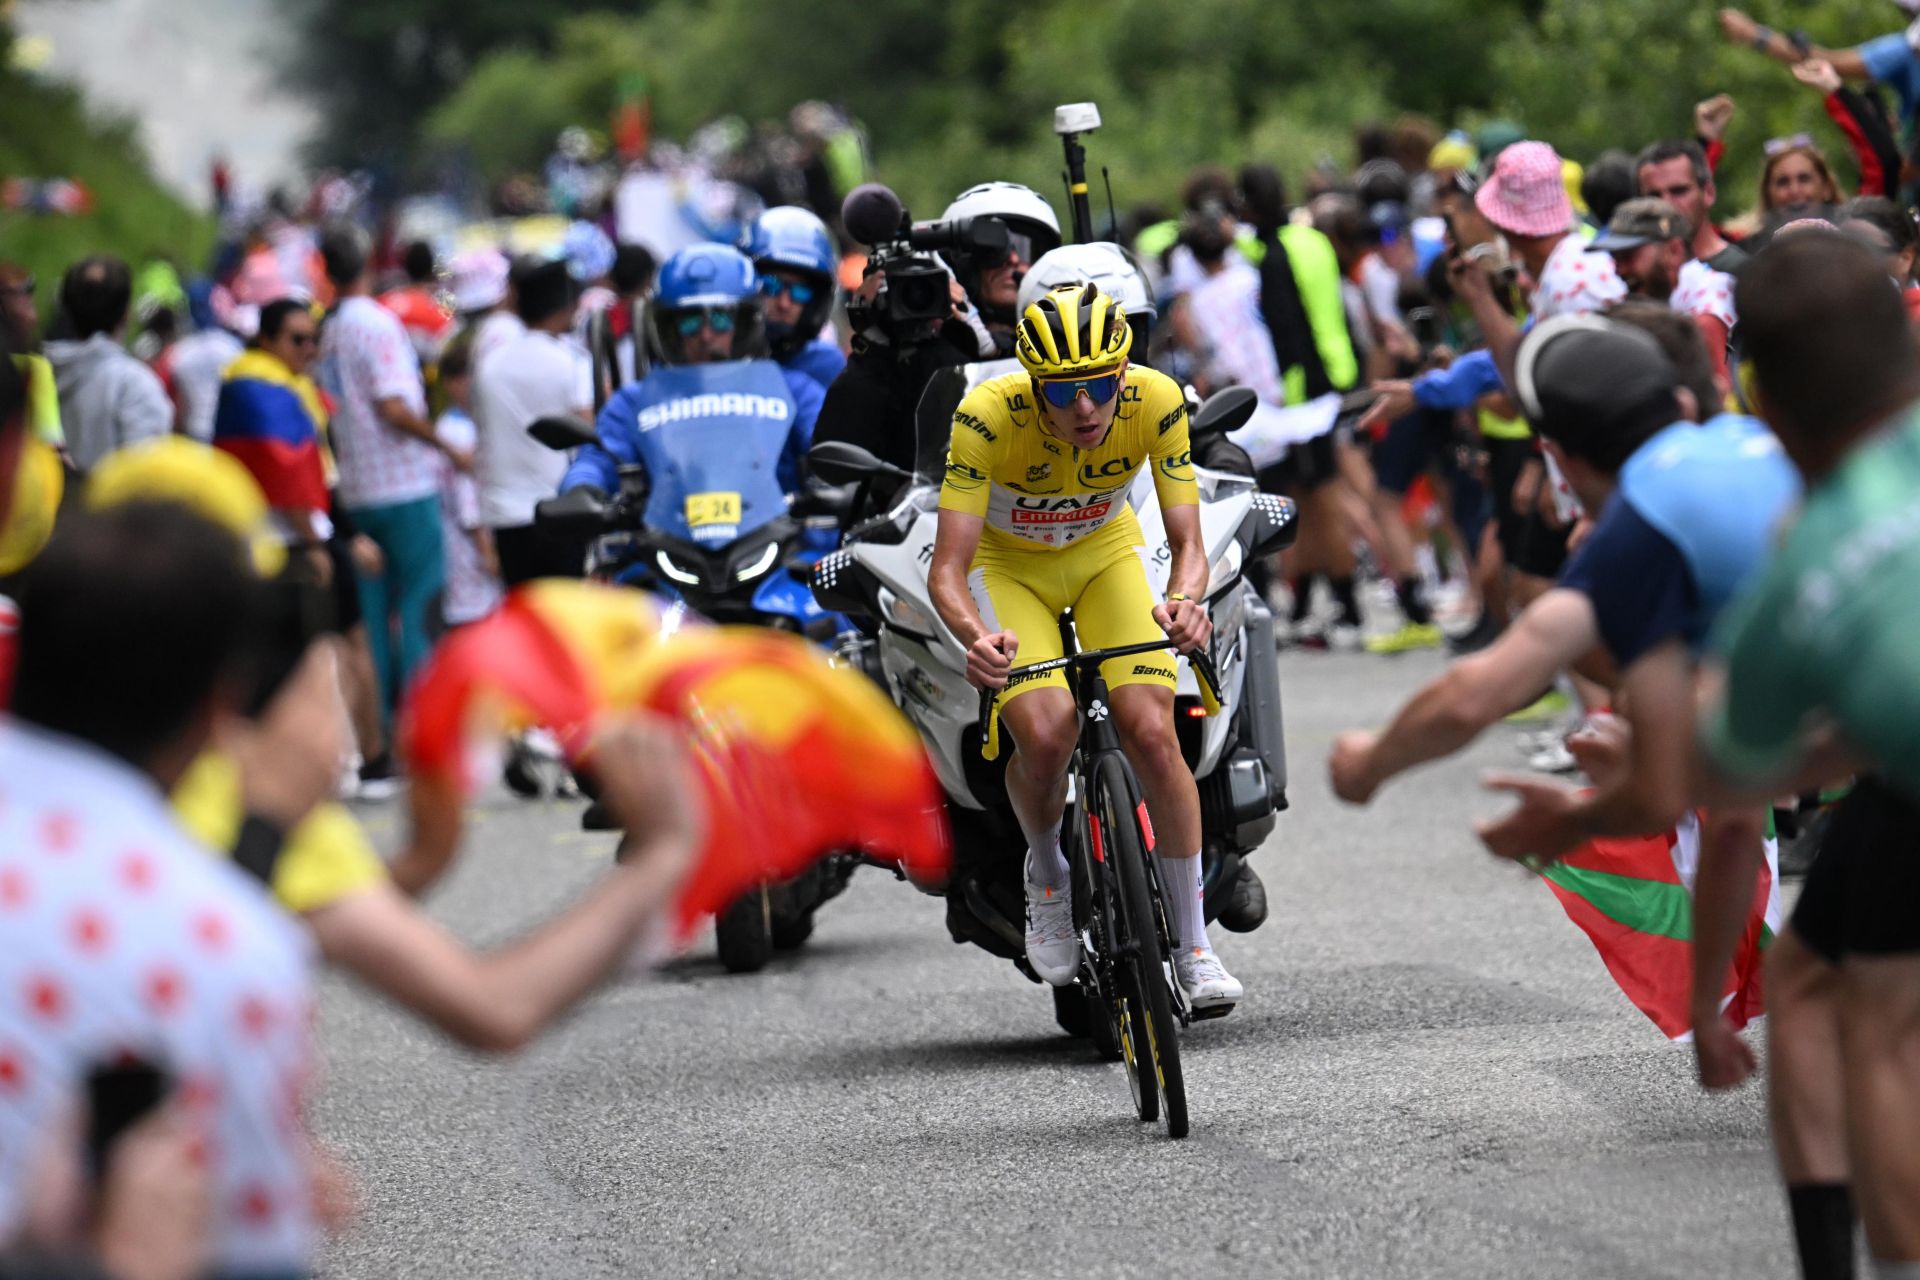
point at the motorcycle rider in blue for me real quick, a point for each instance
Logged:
(794, 255)
(709, 370)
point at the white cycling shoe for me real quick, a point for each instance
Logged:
(1205, 980)
(1053, 944)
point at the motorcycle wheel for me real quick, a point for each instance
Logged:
(792, 911)
(744, 932)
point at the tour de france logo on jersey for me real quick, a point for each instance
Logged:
(1037, 474)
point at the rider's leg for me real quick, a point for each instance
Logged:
(1044, 726)
(1143, 714)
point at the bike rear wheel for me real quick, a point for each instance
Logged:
(1148, 1029)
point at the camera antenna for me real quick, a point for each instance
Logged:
(1070, 121)
(1113, 218)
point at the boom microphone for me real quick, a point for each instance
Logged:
(872, 214)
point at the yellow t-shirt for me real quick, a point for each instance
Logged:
(1036, 491)
(326, 858)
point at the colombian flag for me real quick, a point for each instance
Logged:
(797, 758)
(271, 420)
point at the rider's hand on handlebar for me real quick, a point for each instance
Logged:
(990, 659)
(1185, 623)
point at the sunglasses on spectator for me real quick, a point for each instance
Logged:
(1062, 392)
(688, 323)
(1774, 146)
(23, 288)
(303, 339)
(801, 292)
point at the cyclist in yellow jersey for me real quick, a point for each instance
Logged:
(1034, 520)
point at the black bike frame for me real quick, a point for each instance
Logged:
(1104, 736)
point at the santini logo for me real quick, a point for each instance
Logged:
(730, 405)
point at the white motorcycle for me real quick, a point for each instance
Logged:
(1238, 756)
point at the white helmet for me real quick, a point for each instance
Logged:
(1008, 201)
(1102, 262)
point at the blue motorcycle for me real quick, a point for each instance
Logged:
(703, 520)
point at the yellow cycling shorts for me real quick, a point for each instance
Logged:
(1102, 579)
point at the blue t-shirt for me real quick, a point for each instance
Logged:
(1693, 518)
(1892, 61)
(1642, 592)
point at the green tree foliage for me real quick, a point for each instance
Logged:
(1621, 73)
(46, 131)
(377, 67)
(955, 90)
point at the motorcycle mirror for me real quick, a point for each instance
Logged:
(838, 462)
(581, 512)
(823, 500)
(1224, 410)
(562, 433)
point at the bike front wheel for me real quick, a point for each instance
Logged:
(1148, 1030)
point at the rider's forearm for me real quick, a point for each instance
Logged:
(954, 603)
(1731, 850)
(1189, 574)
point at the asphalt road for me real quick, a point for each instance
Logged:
(1432, 1076)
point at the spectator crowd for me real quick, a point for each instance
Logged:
(1641, 457)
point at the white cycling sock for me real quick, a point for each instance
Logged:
(1186, 901)
(1046, 864)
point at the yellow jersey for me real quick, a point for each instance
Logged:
(326, 858)
(1038, 492)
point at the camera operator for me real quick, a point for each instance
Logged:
(917, 313)
(991, 275)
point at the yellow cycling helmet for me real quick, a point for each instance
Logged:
(1072, 329)
(213, 484)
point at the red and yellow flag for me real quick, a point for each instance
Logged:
(798, 758)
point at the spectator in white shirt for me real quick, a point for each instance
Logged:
(389, 460)
(538, 374)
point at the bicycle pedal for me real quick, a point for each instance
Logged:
(1212, 1011)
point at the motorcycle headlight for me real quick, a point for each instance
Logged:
(759, 564)
(905, 614)
(674, 571)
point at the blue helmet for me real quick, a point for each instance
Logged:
(588, 252)
(701, 278)
(791, 239)
(790, 236)
(705, 275)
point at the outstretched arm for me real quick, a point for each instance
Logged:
(500, 1000)
(1452, 711)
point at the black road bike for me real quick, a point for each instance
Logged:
(1130, 1000)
